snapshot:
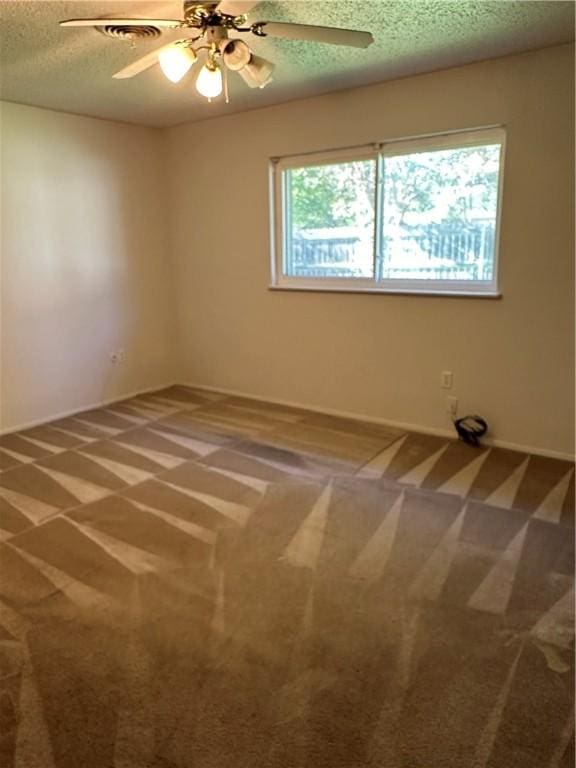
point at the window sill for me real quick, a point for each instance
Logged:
(391, 291)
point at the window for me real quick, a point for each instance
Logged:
(418, 216)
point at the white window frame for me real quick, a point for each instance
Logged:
(376, 152)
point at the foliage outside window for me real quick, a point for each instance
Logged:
(410, 216)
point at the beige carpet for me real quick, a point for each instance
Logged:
(196, 581)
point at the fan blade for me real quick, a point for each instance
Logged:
(145, 62)
(236, 7)
(121, 23)
(314, 34)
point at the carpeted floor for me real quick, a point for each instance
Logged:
(195, 581)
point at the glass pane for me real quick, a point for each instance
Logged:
(439, 215)
(329, 220)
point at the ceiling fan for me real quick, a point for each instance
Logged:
(205, 28)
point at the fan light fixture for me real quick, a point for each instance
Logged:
(176, 61)
(205, 26)
(209, 81)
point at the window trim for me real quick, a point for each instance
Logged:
(378, 151)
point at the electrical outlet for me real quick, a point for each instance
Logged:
(446, 379)
(452, 405)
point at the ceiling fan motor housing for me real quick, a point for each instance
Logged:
(193, 9)
(215, 35)
(207, 14)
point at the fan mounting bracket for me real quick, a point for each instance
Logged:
(258, 29)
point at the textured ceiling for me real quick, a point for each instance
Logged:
(71, 69)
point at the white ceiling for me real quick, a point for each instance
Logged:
(44, 65)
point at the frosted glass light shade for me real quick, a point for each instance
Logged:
(176, 61)
(209, 82)
(236, 54)
(258, 72)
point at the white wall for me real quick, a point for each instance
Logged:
(381, 356)
(84, 268)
